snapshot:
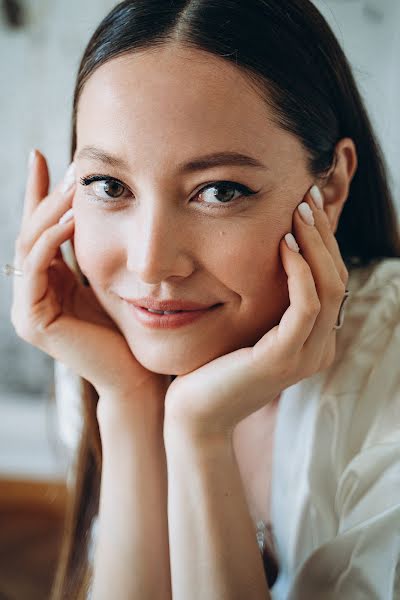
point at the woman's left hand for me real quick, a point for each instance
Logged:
(213, 399)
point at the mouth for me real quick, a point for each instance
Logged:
(167, 305)
(169, 318)
(174, 312)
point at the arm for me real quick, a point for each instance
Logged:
(132, 555)
(363, 559)
(213, 546)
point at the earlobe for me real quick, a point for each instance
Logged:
(336, 186)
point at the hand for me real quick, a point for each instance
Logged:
(54, 311)
(214, 398)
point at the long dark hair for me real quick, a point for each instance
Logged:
(290, 55)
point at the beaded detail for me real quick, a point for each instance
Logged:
(265, 543)
(261, 526)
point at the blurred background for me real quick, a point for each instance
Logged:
(41, 42)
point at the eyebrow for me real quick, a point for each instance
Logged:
(201, 163)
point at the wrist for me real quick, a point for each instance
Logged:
(188, 439)
(123, 412)
(131, 443)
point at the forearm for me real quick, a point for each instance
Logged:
(132, 554)
(214, 553)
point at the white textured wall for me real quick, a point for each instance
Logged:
(37, 70)
(369, 32)
(38, 64)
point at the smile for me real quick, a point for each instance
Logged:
(157, 319)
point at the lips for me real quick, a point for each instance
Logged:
(164, 312)
(170, 321)
(169, 305)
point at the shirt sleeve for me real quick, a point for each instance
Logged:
(362, 562)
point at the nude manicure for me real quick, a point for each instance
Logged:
(69, 178)
(31, 159)
(291, 242)
(306, 213)
(67, 216)
(317, 197)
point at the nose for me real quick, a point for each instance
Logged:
(158, 247)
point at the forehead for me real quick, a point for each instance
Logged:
(174, 89)
(172, 99)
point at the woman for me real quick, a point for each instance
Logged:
(275, 412)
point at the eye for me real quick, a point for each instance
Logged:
(105, 189)
(224, 196)
(109, 190)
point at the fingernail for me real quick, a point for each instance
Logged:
(31, 159)
(317, 196)
(306, 213)
(69, 178)
(291, 242)
(67, 216)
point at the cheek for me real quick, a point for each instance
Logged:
(97, 250)
(248, 263)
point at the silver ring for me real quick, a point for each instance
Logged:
(340, 320)
(11, 270)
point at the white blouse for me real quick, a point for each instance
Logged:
(335, 489)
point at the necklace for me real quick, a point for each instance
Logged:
(260, 534)
(269, 558)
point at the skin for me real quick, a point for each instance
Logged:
(160, 238)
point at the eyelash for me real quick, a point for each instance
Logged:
(245, 191)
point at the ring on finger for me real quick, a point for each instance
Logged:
(11, 270)
(340, 320)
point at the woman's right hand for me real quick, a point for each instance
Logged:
(55, 312)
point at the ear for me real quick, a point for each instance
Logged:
(335, 187)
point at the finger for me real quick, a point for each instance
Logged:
(330, 288)
(50, 211)
(62, 188)
(298, 320)
(323, 225)
(37, 185)
(47, 211)
(329, 352)
(37, 263)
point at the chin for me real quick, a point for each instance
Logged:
(171, 367)
(169, 363)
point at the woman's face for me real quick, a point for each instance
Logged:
(166, 232)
